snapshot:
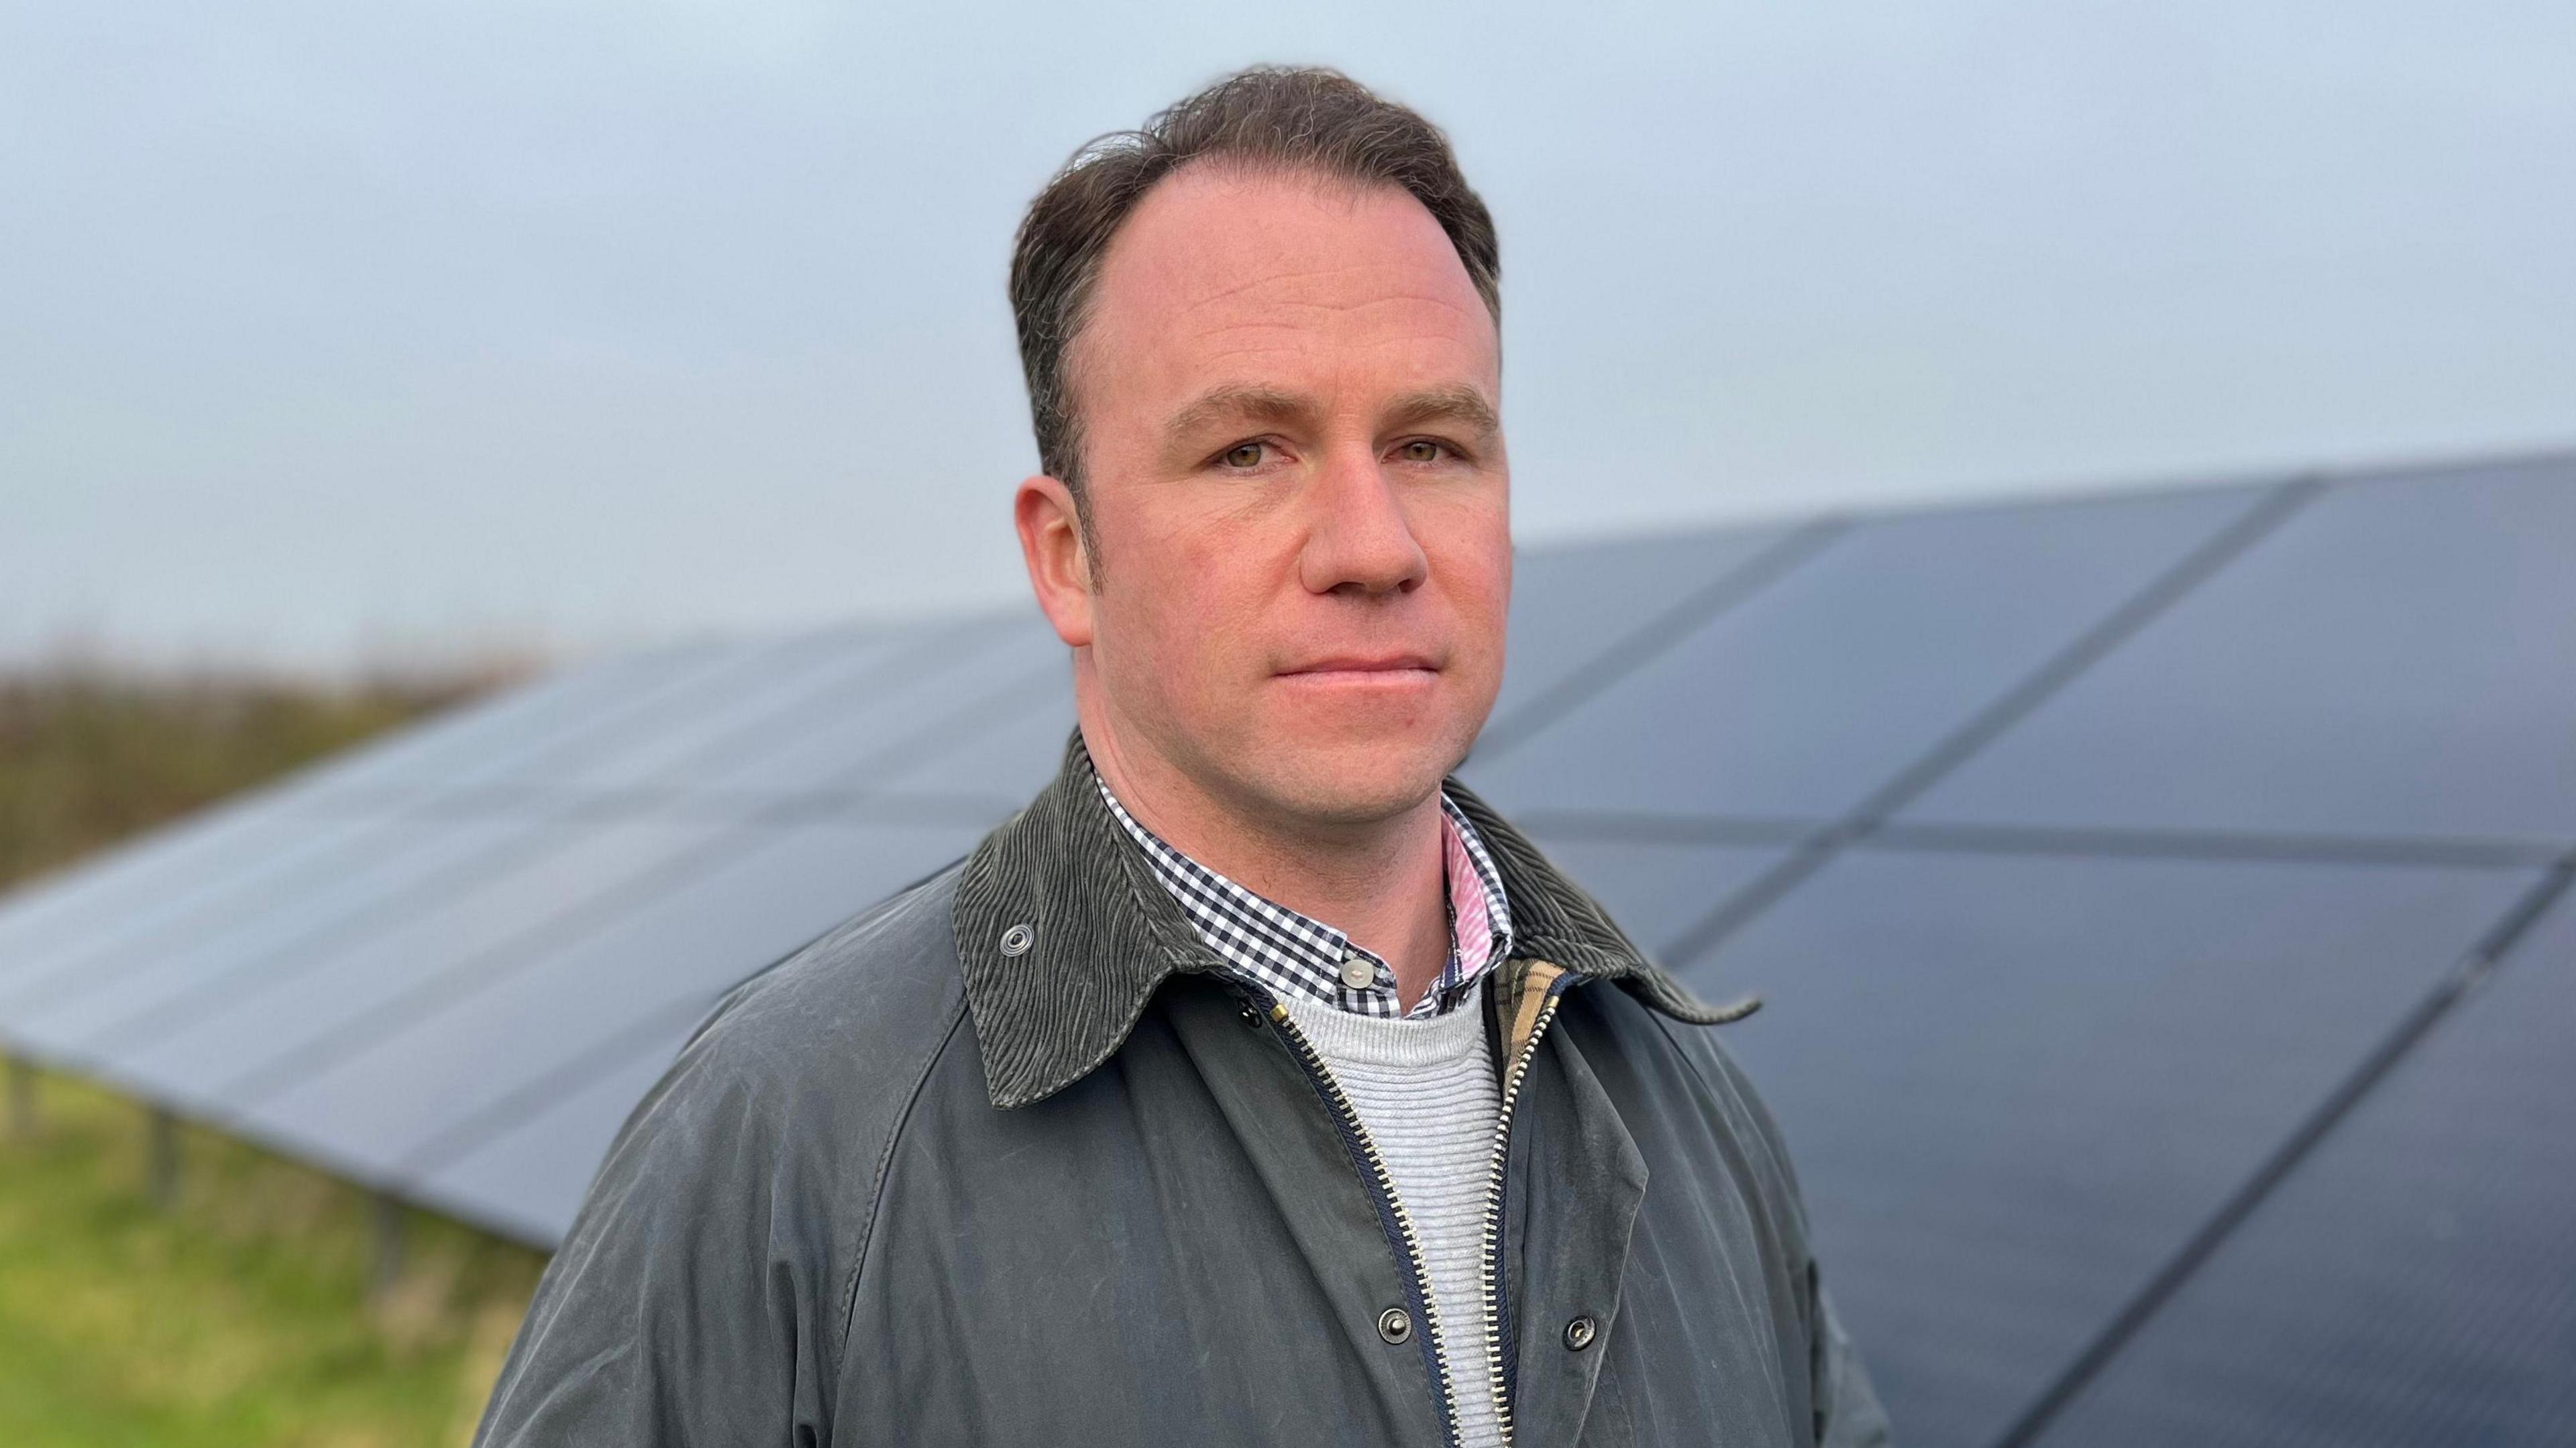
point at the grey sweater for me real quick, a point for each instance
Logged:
(1426, 1093)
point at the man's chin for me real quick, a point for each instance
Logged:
(1352, 782)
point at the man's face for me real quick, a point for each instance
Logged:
(1289, 393)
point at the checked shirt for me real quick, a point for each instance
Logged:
(1283, 950)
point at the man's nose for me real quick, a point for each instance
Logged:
(1358, 539)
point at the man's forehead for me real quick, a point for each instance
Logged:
(1213, 258)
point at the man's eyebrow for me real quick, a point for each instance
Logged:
(1457, 403)
(1236, 402)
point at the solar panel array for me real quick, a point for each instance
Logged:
(2159, 903)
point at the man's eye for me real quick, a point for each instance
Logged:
(1421, 450)
(1243, 455)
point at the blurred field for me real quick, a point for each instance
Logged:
(241, 1314)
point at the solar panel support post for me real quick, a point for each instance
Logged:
(388, 1243)
(22, 1098)
(161, 1156)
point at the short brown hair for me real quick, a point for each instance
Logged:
(1303, 118)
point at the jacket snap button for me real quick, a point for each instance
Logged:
(1250, 1016)
(1394, 1324)
(1018, 939)
(1580, 1332)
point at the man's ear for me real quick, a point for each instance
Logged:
(1059, 565)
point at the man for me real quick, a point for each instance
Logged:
(1255, 1083)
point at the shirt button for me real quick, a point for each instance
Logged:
(1394, 1324)
(1580, 1332)
(1357, 973)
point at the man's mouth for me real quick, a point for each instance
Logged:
(1389, 667)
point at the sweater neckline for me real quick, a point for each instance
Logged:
(1414, 1043)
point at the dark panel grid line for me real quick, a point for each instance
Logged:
(2202, 563)
(2092, 841)
(1674, 829)
(718, 805)
(2474, 968)
(2150, 843)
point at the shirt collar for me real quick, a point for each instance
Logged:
(1063, 933)
(1285, 951)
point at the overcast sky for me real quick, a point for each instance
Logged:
(334, 330)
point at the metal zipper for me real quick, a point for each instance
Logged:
(1355, 1136)
(1495, 1376)
(1417, 1276)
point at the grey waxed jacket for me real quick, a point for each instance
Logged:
(1005, 1160)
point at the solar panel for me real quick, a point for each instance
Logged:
(961, 687)
(1804, 696)
(1655, 889)
(525, 1179)
(330, 901)
(239, 1022)
(174, 880)
(1010, 762)
(465, 1039)
(324, 939)
(2013, 1085)
(717, 717)
(1575, 607)
(2083, 853)
(2398, 659)
(101, 907)
(2412, 1281)
(495, 733)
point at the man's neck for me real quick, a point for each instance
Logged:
(1382, 883)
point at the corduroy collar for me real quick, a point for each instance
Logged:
(1064, 934)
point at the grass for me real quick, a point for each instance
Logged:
(244, 1311)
